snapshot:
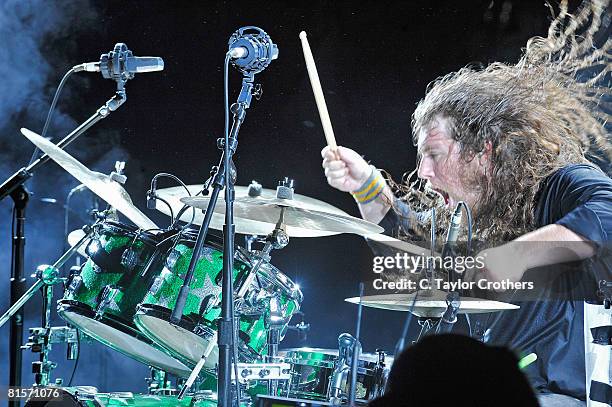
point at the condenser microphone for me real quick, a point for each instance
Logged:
(453, 232)
(251, 50)
(120, 63)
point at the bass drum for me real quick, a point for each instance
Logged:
(196, 334)
(87, 396)
(101, 300)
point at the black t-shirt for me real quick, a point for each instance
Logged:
(578, 197)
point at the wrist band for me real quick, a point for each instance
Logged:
(371, 188)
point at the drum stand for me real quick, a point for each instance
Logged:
(158, 384)
(47, 276)
(342, 369)
(40, 339)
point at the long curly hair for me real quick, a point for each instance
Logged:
(546, 111)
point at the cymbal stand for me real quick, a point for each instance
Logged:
(340, 376)
(274, 322)
(277, 239)
(41, 339)
(47, 275)
(224, 177)
(14, 186)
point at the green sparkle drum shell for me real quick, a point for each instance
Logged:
(102, 299)
(205, 286)
(108, 265)
(196, 334)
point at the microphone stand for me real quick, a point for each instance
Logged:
(449, 318)
(14, 186)
(224, 177)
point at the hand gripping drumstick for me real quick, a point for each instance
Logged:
(318, 93)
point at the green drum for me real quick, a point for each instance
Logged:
(313, 372)
(101, 300)
(87, 396)
(196, 334)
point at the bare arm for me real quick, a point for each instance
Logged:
(548, 245)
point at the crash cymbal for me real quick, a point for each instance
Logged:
(74, 237)
(305, 214)
(244, 226)
(430, 303)
(100, 184)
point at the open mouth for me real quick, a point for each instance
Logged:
(440, 192)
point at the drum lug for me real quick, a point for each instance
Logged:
(157, 283)
(172, 258)
(75, 283)
(108, 300)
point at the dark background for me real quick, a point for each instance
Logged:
(374, 60)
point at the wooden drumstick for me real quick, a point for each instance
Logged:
(318, 93)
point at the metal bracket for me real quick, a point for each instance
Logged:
(262, 371)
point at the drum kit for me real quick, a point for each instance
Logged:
(136, 278)
(124, 292)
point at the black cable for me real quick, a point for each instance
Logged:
(76, 362)
(400, 345)
(226, 100)
(469, 253)
(177, 179)
(169, 208)
(51, 109)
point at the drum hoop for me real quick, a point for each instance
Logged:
(114, 322)
(110, 320)
(163, 313)
(128, 230)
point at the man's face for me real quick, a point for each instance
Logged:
(441, 165)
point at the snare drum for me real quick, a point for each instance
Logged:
(312, 371)
(101, 300)
(196, 334)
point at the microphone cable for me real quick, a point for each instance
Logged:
(51, 109)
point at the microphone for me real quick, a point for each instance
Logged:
(151, 195)
(121, 64)
(453, 232)
(251, 50)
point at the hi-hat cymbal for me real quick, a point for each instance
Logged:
(100, 184)
(307, 214)
(430, 303)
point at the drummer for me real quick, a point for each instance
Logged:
(510, 142)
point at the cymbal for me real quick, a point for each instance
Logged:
(306, 214)
(430, 303)
(100, 184)
(74, 237)
(244, 226)
(398, 245)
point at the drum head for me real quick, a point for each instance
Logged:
(120, 336)
(180, 341)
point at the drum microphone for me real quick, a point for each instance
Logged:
(453, 231)
(152, 196)
(251, 50)
(121, 64)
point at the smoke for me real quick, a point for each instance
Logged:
(37, 45)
